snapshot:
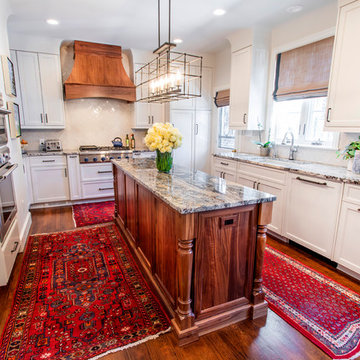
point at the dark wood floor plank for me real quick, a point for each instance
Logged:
(268, 338)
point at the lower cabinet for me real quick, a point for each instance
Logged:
(49, 179)
(312, 213)
(347, 250)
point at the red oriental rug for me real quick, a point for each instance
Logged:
(324, 311)
(93, 213)
(80, 296)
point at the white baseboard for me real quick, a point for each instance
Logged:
(68, 203)
(24, 232)
(349, 272)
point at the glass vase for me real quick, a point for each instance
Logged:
(164, 161)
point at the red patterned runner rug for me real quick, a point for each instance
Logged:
(80, 296)
(324, 311)
(93, 213)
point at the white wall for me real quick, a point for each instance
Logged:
(22, 202)
(299, 29)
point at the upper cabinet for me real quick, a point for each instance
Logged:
(248, 84)
(148, 114)
(343, 113)
(41, 90)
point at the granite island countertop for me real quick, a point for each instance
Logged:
(323, 171)
(190, 192)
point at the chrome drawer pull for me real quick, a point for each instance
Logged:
(105, 172)
(311, 181)
(16, 243)
(48, 161)
(226, 164)
(328, 114)
(73, 156)
(103, 189)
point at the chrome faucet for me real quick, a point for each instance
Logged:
(293, 148)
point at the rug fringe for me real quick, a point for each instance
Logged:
(151, 337)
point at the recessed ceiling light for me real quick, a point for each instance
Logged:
(178, 41)
(294, 9)
(52, 22)
(219, 12)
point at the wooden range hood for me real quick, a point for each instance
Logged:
(98, 72)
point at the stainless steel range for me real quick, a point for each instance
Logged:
(90, 154)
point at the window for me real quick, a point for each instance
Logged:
(226, 139)
(305, 119)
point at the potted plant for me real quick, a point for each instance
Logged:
(349, 152)
(264, 146)
(163, 138)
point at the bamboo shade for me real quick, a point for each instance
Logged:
(304, 72)
(222, 98)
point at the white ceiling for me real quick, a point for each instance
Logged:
(133, 23)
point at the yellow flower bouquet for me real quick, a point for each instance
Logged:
(163, 138)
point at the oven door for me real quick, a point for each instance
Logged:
(3, 135)
(7, 199)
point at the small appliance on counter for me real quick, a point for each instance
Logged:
(53, 145)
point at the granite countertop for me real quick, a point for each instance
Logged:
(330, 172)
(190, 192)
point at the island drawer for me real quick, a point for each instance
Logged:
(352, 193)
(98, 189)
(48, 160)
(93, 172)
(262, 172)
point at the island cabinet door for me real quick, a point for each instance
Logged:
(120, 197)
(131, 218)
(224, 260)
(145, 209)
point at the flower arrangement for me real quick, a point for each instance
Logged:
(163, 138)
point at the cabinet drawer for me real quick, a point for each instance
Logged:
(352, 193)
(48, 160)
(98, 189)
(94, 172)
(229, 165)
(262, 172)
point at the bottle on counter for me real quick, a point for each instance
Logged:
(132, 141)
(127, 141)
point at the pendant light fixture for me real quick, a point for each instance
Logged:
(171, 76)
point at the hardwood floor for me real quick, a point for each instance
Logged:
(266, 338)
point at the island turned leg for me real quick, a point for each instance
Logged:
(183, 323)
(258, 296)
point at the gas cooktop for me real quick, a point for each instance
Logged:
(94, 148)
(100, 154)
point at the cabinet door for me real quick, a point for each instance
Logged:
(279, 205)
(157, 113)
(202, 140)
(120, 194)
(246, 181)
(312, 212)
(30, 85)
(131, 218)
(347, 251)
(241, 61)
(142, 115)
(74, 177)
(50, 183)
(18, 99)
(52, 90)
(344, 85)
(184, 121)
(229, 176)
(218, 172)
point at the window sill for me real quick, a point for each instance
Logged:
(308, 146)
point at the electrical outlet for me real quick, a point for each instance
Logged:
(42, 141)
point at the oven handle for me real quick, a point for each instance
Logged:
(8, 172)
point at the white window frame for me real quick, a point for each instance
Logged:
(286, 47)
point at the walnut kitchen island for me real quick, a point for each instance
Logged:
(200, 241)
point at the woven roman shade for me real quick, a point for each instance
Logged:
(222, 98)
(304, 72)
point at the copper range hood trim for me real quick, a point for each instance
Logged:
(98, 72)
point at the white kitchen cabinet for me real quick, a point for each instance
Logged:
(343, 105)
(74, 177)
(41, 90)
(312, 212)
(97, 180)
(225, 169)
(8, 252)
(347, 250)
(49, 179)
(148, 114)
(202, 145)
